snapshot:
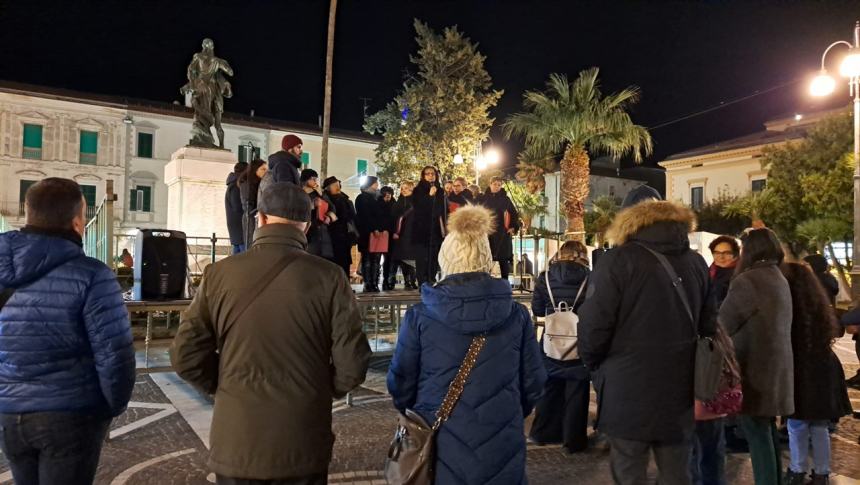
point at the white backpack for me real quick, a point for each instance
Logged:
(560, 328)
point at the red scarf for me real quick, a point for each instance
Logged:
(714, 268)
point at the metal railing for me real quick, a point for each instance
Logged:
(202, 250)
(4, 226)
(98, 237)
(381, 316)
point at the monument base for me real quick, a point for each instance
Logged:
(195, 179)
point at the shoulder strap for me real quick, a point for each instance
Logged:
(5, 295)
(252, 294)
(548, 288)
(579, 292)
(455, 389)
(676, 282)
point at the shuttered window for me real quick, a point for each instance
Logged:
(141, 199)
(361, 167)
(32, 142)
(144, 145)
(306, 159)
(89, 147)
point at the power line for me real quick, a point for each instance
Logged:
(724, 104)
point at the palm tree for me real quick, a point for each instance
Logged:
(329, 57)
(573, 119)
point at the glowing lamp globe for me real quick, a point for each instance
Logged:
(822, 85)
(491, 156)
(458, 159)
(850, 66)
(481, 163)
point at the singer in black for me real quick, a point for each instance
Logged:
(507, 223)
(429, 220)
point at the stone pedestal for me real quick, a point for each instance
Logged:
(196, 183)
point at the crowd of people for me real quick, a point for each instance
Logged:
(394, 232)
(274, 334)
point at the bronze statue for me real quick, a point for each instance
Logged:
(208, 87)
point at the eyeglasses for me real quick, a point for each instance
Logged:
(723, 253)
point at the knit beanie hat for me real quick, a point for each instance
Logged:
(308, 174)
(330, 181)
(640, 194)
(466, 248)
(289, 141)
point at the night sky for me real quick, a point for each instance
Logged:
(686, 56)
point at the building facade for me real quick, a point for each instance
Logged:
(91, 139)
(732, 167)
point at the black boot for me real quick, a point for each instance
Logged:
(374, 274)
(367, 274)
(409, 277)
(794, 478)
(820, 479)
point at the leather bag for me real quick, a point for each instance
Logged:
(412, 453)
(560, 327)
(709, 356)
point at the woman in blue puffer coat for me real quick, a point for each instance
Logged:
(483, 440)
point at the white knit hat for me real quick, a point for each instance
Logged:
(466, 248)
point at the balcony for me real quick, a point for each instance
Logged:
(91, 210)
(32, 153)
(88, 158)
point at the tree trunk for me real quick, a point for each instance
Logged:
(574, 190)
(840, 269)
(329, 58)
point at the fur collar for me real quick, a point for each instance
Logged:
(633, 219)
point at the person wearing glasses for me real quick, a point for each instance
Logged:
(460, 196)
(725, 250)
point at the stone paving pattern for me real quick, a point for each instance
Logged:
(363, 433)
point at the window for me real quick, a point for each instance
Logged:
(244, 150)
(612, 191)
(759, 185)
(32, 142)
(697, 197)
(24, 186)
(361, 167)
(141, 199)
(144, 145)
(89, 147)
(89, 192)
(306, 159)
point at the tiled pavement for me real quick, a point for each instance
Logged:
(162, 438)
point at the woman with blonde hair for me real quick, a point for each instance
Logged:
(561, 416)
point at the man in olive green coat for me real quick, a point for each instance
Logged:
(274, 333)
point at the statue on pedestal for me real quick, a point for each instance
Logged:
(208, 87)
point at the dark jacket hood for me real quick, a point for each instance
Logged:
(662, 225)
(277, 158)
(469, 303)
(567, 273)
(232, 178)
(26, 257)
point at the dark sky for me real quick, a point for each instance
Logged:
(686, 56)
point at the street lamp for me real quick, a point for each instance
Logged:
(483, 160)
(824, 84)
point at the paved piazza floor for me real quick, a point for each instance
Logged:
(162, 439)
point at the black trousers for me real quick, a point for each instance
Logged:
(318, 479)
(342, 254)
(53, 448)
(389, 270)
(629, 461)
(505, 269)
(427, 264)
(561, 416)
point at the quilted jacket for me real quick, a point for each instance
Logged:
(65, 339)
(483, 440)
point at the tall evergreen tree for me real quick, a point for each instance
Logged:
(443, 109)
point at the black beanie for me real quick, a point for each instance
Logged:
(640, 194)
(386, 190)
(308, 174)
(330, 181)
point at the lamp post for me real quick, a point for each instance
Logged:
(482, 161)
(823, 85)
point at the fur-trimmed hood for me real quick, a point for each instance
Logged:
(634, 219)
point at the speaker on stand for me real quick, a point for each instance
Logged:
(160, 265)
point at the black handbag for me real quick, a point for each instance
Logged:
(709, 357)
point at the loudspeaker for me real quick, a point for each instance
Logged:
(160, 264)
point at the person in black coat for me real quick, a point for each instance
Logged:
(561, 416)
(249, 184)
(319, 239)
(726, 251)
(342, 240)
(507, 222)
(820, 394)
(233, 208)
(369, 220)
(460, 195)
(821, 268)
(637, 338)
(427, 229)
(389, 269)
(403, 252)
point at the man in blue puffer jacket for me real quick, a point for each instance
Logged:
(66, 355)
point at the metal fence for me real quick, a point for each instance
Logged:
(202, 250)
(98, 237)
(381, 316)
